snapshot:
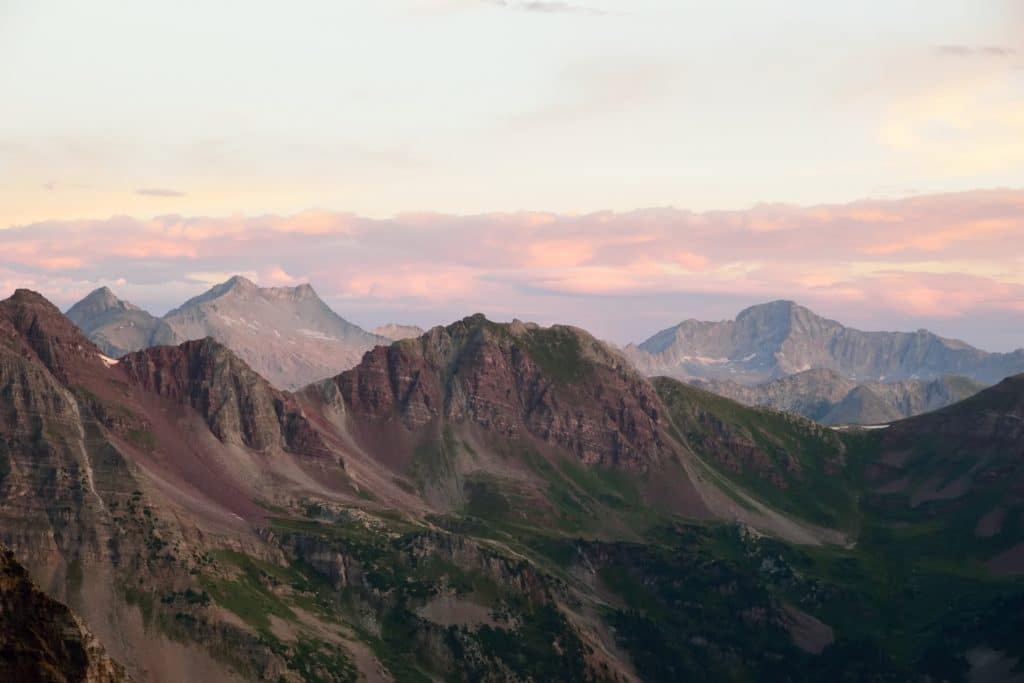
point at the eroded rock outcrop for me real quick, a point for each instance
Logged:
(41, 639)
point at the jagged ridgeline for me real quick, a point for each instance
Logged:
(498, 502)
(287, 333)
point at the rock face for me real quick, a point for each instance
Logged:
(41, 639)
(116, 326)
(107, 488)
(287, 334)
(395, 332)
(781, 338)
(238, 405)
(826, 396)
(557, 385)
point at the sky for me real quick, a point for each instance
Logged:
(619, 165)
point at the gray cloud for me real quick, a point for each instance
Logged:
(159, 192)
(975, 50)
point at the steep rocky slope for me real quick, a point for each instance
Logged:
(826, 396)
(781, 338)
(485, 502)
(114, 495)
(288, 334)
(238, 405)
(41, 639)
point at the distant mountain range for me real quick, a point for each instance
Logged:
(288, 334)
(779, 355)
(781, 338)
(827, 397)
(783, 356)
(396, 332)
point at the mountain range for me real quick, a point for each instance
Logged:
(782, 338)
(778, 355)
(498, 502)
(287, 333)
(827, 397)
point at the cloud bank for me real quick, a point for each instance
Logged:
(950, 262)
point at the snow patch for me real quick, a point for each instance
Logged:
(107, 360)
(847, 428)
(705, 360)
(315, 334)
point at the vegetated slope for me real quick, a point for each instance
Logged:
(288, 334)
(537, 422)
(827, 397)
(41, 640)
(961, 469)
(797, 466)
(781, 338)
(486, 502)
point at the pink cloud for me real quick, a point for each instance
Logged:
(934, 257)
(558, 253)
(276, 275)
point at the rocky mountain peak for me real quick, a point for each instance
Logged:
(238, 404)
(237, 284)
(780, 309)
(556, 384)
(781, 338)
(98, 302)
(306, 291)
(288, 334)
(28, 297)
(29, 322)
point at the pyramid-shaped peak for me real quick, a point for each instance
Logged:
(101, 299)
(103, 292)
(237, 283)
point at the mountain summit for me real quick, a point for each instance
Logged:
(287, 334)
(782, 338)
(114, 325)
